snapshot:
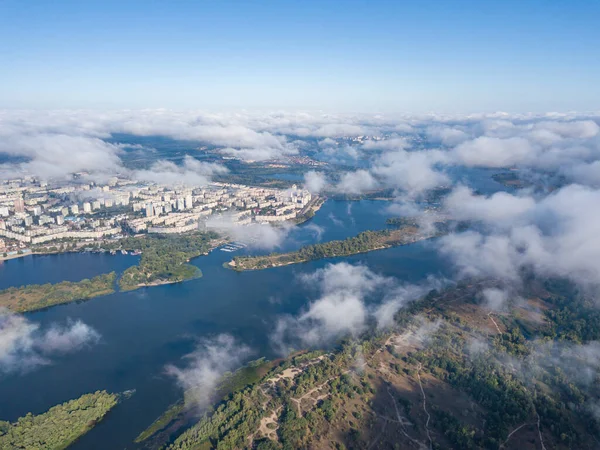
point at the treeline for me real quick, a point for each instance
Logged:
(164, 258)
(363, 242)
(60, 426)
(37, 296)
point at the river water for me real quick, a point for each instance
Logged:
(144, 330)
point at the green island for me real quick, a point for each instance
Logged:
(37, 296)
(364, 242)
(60, 426)
(164, 258)
(440, 379)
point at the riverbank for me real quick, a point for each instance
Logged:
(309, 211)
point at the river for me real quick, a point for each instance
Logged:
(144, 330)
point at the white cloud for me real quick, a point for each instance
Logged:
(260, 236)
(206, 367)
(356, 182)
(557, 237)
(315, 182)
(351, 299)
(191, 173)
(501, 207)
(495, 152)
(446, 135)
(24, 345)
(412, 172)
(395, 143)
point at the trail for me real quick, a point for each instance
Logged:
(376, 438)
(401, 422)
(513, 432)
(495, 324)
(425, 407)
(298, 400)
(540, 431)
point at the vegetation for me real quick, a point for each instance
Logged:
(364, 242)
(37, 296)
(164, 258)
(60, 426)
(248, 375)
(162, 422)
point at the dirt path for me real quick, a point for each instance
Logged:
(298, 400)
(402, 420)
(425, 407)
(495, 324)
(265, 421)
(540, 431)
(513, 432)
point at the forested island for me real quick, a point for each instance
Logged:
(60, 426)
(164, 258)
(37, 296)
(440, 379)
(364, 242)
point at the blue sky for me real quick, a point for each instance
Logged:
(428, 55)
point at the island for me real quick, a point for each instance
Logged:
(364, 242)
(60, 426)
(38, 296)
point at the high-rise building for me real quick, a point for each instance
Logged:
(19, 205)
(37, 210)
(28, 221)
(87, 207)
(149, 210)
(74, 209)
(180, 204)
(188, 201)
(4, 211)
(60, 220)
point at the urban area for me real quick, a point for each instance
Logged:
(40, 216)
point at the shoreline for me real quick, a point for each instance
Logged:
(232, 265)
